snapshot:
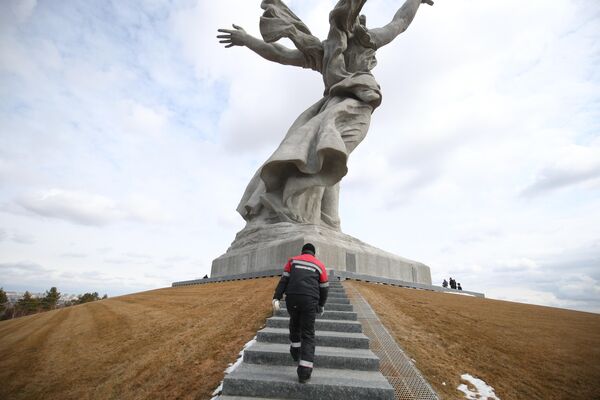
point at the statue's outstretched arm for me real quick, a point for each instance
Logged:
(401, 21)
(271, 51)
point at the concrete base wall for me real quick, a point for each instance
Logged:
(268, 247)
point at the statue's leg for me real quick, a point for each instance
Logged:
(330, 206)
(305, 207)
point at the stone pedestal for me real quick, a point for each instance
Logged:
(268, 247)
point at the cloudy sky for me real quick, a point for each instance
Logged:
(127, 136)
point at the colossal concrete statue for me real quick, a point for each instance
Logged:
(293, 197)
(299, 183)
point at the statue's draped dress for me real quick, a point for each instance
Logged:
(300, 181)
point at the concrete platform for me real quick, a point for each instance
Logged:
(268, 247)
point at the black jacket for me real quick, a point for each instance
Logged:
(304, 275)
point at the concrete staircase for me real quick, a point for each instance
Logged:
(345, 368)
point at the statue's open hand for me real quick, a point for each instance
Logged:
(233, 37)
(430, 2)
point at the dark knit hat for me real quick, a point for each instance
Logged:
(308, 248)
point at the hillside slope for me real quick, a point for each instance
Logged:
(523, 351)
(175, 343)
(170, 343)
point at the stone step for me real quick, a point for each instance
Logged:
(337, 300)
(247, 398)
(331, 306)
(336, 294)
(350, 340)
(320, 324)
(327, 314)
(325, 357)
(325, 384)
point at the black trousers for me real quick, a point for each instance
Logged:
(303, 311)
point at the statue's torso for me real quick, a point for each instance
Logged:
(359, 58)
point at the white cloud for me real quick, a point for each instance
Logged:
(574, 164)
(21, 10)
(518, 264)
(143, 120)
(89, 209)
(16, 237)
(23, 238)
(21, 268)
(73, 255)
(580, 287)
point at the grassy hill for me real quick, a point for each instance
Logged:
(523, 351)
(170, 343)
(175, 343)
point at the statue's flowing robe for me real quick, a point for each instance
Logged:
(299, 182)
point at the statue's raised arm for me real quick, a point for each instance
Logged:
(271, 51)
(278, 22)
(401, 21)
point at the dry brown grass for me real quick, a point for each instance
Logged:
(170, 343)
(523, 351)
(175, 343)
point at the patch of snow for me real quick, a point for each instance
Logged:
(483, 390)
(217, 392)
(461, 293)
(232, 368)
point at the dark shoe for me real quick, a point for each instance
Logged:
(295, 352)
(304, 374)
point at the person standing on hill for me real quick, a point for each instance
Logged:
(305, 284)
